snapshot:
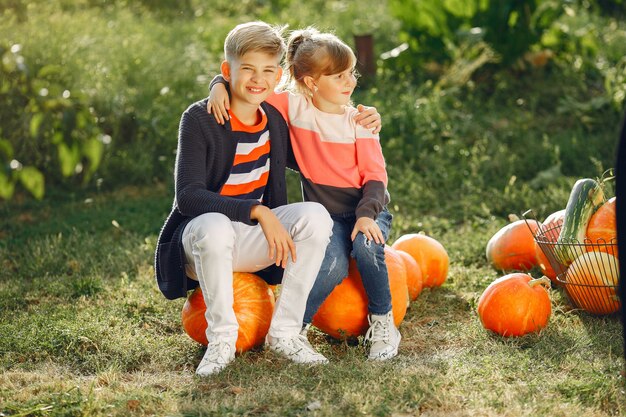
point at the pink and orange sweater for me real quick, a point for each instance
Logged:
(341, 163)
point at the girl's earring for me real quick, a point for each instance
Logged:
(315, 89)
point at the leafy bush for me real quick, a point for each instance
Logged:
(432, 28)
(42, 119)
(615, 8)
(136, 72)
(590, 51)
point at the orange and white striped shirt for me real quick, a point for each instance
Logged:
(251, 167)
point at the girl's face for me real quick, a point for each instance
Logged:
(332, 92)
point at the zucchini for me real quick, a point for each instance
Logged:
(585, 198)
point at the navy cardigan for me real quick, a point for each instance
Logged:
(206, 151)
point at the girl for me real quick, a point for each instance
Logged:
(341, 166)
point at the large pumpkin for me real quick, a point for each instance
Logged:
(430, 255)
(344, 312)
(253, 305)
(413, 275)
(591, 282)
(602, 229)
(512, 248)
(515, 304)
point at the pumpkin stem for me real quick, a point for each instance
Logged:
(544, 280)
(608, 175)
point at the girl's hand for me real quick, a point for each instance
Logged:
(369, 228)
(218, 103)
(369, 118)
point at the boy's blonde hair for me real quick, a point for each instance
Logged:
(255, 37)
(311, 53)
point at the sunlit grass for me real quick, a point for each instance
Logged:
(95, 337)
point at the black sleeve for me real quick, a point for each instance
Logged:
(218, 79)
(291, 158)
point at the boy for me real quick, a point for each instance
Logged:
(230, 210)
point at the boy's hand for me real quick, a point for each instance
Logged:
(369, 228)
(369, 118)
(218, 103)
(278, 239)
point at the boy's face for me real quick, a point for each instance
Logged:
(252, 77)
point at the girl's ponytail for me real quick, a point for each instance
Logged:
(297, 38)
(311, 53)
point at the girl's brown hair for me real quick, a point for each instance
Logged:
(311, 53)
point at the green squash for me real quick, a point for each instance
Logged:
(585, 198)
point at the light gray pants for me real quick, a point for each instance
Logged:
(215, 246)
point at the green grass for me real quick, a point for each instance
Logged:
(84, 331)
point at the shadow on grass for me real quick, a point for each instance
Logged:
(135, 210)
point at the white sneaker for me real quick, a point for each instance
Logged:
(217, 356)
(297, 348)
(382, 336)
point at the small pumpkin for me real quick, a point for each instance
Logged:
(551, 226)
(413, 275)
(512, 248)
(602, 229)
(344, 312)
(430, 255)
(545, 266)
(515, 305)
(592, 280)
(253, 305)
(549, 233)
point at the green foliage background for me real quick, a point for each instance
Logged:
(92, 91)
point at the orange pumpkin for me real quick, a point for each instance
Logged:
(512, 248)
(344, 312)
(551, 226)
(549, 231)
(548, 234)
(253, 305)
(602, 229)
(544, 264)
(413, 275)
(591, 282)
(430, 255)
(515, 304)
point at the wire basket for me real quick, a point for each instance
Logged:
(589, 271)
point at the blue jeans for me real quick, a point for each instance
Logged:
(370, 261)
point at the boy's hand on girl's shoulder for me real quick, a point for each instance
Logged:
(369, 118)
(219, 103)
(279, 240)
(369, 228)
